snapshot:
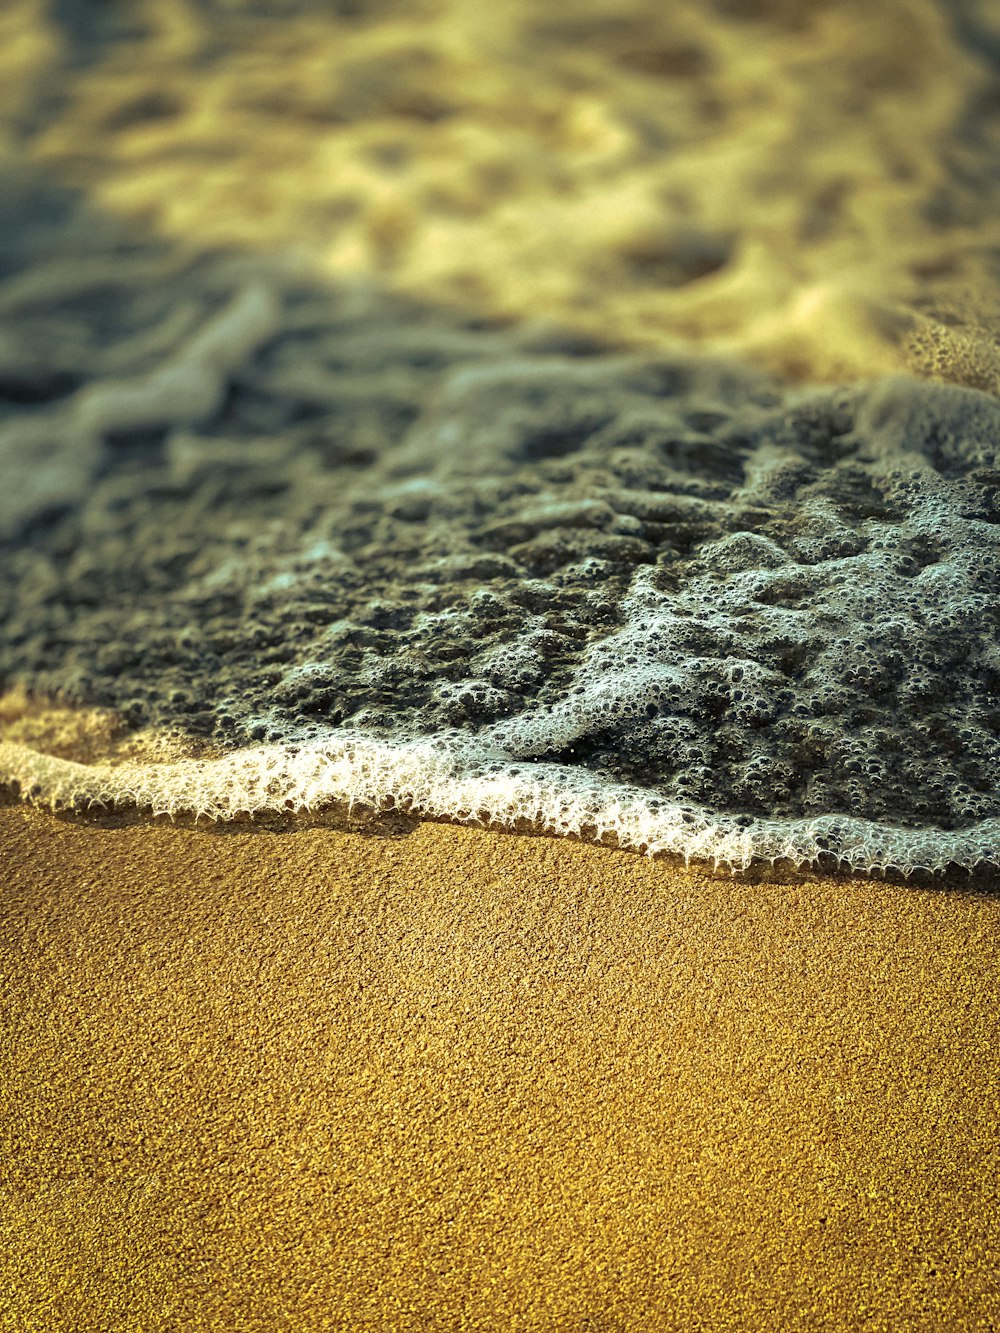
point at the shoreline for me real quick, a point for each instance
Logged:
(400, 821)
(462, 1078)
(426, 779)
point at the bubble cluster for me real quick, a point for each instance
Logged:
(667, 598)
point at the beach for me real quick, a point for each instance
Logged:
(432, 1077)
(551, 421)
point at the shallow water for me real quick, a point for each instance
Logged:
(288, 485)
(812, 185)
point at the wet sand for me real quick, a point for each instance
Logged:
(462, 1079)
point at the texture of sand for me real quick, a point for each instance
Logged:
(453, 1079)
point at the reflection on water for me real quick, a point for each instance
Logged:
(811, 184)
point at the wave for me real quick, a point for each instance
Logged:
(380, 553)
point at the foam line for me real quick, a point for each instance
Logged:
(437, 781)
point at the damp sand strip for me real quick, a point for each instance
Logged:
(463, 1079)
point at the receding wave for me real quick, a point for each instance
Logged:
(361, 550)
(557, 418)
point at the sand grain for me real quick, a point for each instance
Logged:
(320, 1080)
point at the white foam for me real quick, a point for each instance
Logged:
(452, 778)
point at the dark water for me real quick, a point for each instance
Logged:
(293, 520)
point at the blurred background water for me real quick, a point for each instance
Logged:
(814, 185)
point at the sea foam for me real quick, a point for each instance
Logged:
(485, 573)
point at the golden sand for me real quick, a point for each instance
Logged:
(456, 1079)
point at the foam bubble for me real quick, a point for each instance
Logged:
(469, 784)
(666, 599)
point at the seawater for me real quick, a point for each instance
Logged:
(370, 551)
(573, 422)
